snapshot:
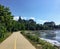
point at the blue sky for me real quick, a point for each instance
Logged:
(39, 10)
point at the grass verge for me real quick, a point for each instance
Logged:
(5, 36)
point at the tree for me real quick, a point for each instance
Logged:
(31, 24)
(2, 30)
(20, 20)
(49, 23)
(39, 27)
(6, 17)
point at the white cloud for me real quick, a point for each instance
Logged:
(41, 21)
(32, 18)
(23, 17)
(16, 18)
(26, 18)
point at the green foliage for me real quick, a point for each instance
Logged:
(22, 32)
(5, 36)
(6, 17)
(2, 30)
(48, 46)
(5, 21)
(16, 26)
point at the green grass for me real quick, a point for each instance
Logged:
(5, 36)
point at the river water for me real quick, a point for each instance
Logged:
(50, 34)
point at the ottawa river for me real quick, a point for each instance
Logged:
(50, 34)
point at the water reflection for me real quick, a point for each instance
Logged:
(48, 35)
(54, 35)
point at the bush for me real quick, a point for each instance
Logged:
(22, 32)
(32, 37)
(48, 46)
(42, 42)
(2, 30)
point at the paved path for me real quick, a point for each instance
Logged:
(16, 41)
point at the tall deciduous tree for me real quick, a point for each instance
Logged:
(6, 17)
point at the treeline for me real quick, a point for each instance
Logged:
(32, 25)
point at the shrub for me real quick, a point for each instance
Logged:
(48, 46)
(2, 30)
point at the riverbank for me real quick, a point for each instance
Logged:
(53, 42)
(37, 41)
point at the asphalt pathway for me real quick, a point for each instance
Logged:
(16, 41)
